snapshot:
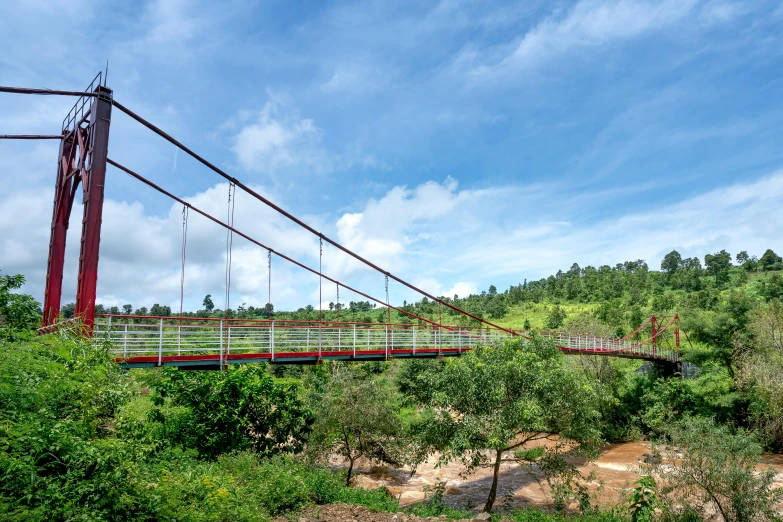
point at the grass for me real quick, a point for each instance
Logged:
(537, 314)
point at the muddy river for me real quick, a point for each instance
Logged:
(615, 470)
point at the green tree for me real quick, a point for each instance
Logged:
(716, 471)
(240, 408)
(718, 265)
(503, 398)
(208, 304)
(127, 309)
(671, 262)
(357, 419)
(18, 312)
(742, 257)
(769, 260)
(556, 318)
(760, 373)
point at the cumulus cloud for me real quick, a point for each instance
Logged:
(446, 240)
(279, 139)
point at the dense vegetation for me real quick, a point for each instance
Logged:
(82, 439)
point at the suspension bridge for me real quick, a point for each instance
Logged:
(213, 343)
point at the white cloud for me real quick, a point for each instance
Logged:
(589, 23)
(279, 139)
(445, 240)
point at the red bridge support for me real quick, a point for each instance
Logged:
(82, 160)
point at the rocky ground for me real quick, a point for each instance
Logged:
(344, 512)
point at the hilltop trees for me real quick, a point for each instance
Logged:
(671, 262)
(769, 260)
(718, 265)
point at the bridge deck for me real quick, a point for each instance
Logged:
(141, 341)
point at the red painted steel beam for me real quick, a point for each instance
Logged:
(94, 179)
(265, 247)
(61, 213)
(293, 218)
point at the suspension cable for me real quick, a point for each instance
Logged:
(31, 136)
(262, 245)
(229, 243)
(170, 139)
(293, 218)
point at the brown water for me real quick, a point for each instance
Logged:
(615, 470)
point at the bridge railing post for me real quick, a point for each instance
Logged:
(125, 342)
(221, 344)
(160, 342)
(272, 340)
(414, 340)
(108, 330)
(387, 342)
(228, 341)
(354, 340)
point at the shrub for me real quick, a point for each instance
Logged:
(716, 471)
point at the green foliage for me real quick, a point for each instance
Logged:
(718, 265)
(58, 456)
(434, 506)
(240, 408)
(643, 499)
(506, 396)
(770, 260)
(556, 318)
(356, 418)
(716, 471)
(19, 313)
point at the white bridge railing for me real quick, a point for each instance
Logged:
(138, 336)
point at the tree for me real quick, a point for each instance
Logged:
(493, 290)
(357, 419)
(240, 408)
(718, 265)
(527, 324)
(68, 310)
(671, 262)
(769, 260)
(159, 310)
(208, 304)
(760, 373)
(127, 309)
(716, 471)
(742, 257)
(556, 318)
(18, 312)
(503, 398)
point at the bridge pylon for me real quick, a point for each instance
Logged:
(81, 161)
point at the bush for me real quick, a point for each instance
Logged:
(715, 472)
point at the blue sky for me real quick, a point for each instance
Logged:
(458, 143)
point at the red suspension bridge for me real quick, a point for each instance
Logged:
(214, 343)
